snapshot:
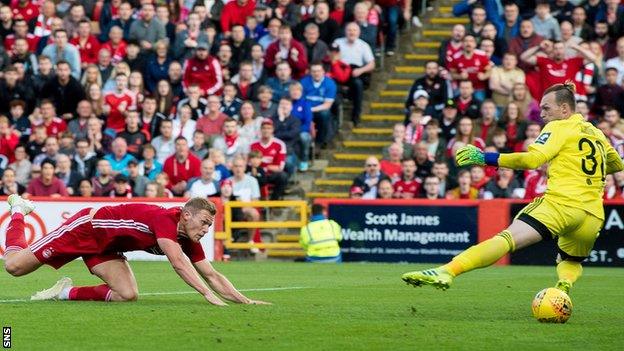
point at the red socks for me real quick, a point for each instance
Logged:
(15, 238)
(90, 293)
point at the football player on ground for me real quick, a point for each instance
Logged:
(100, 236)
(571, 211)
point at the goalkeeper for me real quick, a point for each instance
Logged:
(571, 210)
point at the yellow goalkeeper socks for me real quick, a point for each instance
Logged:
(482, 254)
(569, 270)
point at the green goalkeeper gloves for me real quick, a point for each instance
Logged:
(469, 155)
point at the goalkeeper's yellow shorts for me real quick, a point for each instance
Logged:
(575, 229)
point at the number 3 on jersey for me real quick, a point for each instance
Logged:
(589, 164)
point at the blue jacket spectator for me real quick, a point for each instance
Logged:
(156, 69)
(120, 157)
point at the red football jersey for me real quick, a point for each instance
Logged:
(273, 153)
(55, 127)
(407, 189)
(116, 119)
(451, 51)
(472, 66)
(130, 227)
(557, 73)
(28, 12)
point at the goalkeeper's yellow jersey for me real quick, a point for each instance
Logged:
(579, 157)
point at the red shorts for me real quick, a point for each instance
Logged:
(74, 238)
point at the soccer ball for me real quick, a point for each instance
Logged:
(552, 306)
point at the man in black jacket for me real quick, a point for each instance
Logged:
(287, 129)
(433, 84)
(370, 178)
(65, 91)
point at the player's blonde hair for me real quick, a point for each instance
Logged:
(197, 204)
(564, 93)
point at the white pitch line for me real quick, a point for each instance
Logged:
(186, 292)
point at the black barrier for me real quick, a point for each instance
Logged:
(404, 233)
(607, 252)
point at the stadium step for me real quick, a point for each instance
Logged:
(446, 9)
(371, 130)
(285, 253)
(387, 105)
(334, 182)
(393, 93)
(365, 143)
(436, 33)
(409, 69)
(382, 118)
(427, 44)
(421, 57)
(326, 195)
(400, 82)
(449, 20)
(343, 170)
(354, 156)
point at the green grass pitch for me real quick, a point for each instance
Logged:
(338, 307)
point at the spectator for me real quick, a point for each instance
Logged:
(613, 117)
(46, 185)
(273, 153)
(157, 66)
(203, 185)
(235, 12)
(569, 39)
(224, 58)
(498, 45)
(12, 89)
(149, 166)
(287, 128)
(473, 65)
(199, 148)
(408, 186)
(385, 189)
(21, 165)
(117, 46)
(555, 68)
(398, 137)
(186, 40)
(320, 91)
(119, 157)
(535, 182)
(62, 50)
(230, 104)
(203, 70)
(423, 163)
(249, 129)
(359, 55)
(118, 102)
(477, 21)
(465, 136)
(241, 47)
(123, 20)
(163, 180)
(163, 14)
(51, 151)
(611, 190)
(21, 55)
(84, 160)
(609, 94)
(148, 29)
(134, 136)
(164, 144)
(467, 104)
(257, 63)
(339, 70)
(20, 31)
(316, 49)
(35, 146)
(265, 106)
(485, 126)
(302, 111)
(181, 167)
(281, 82)
(65, 91)
(514, 124)
(86, 43)
(183, 125)
(509, 27)
(528, 106)
(230, 142)
(392, 165)
(69, 177)
(272, 35)
(355, 192)
(328, 28)
(287, 11)
(6, 20)
(503, 79)
(450, 47)
(432, 83)
(436, 147)
(165, 99)
(175, 79)
(150, 119)
(465, 190)
(432, 188)
(545, 24)
(504, 186)
(9, 139)
(100, 142)
(246, 83)
(78, 126)
(561, 10)
(9, 184)
(369, 180)
(618, 61)
(212, 123)
(286, 49)
(85, 188)
(580, 25)
(154, 190)
(121, 187)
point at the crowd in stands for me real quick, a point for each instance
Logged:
(485, 88)
(126, 98)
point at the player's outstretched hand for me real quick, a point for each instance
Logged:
(258, 302)
(469, 155)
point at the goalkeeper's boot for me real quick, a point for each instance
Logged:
(564, 286)
(17, 202)
(437, 277)
(53, 293)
